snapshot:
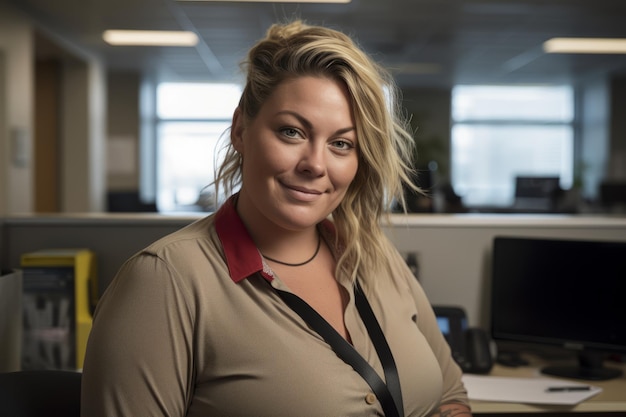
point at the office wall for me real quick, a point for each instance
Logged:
(4, 143)
(46, 141)
(16, 109)
(453, 251)
(123, 127)
(83, 119)
(83, 134)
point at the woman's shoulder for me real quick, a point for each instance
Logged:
(199, 232)
(185, 252)
(185, 255)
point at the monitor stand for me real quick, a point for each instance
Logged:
(590, 367)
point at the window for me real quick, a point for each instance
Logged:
(191, 120)
(500, 132)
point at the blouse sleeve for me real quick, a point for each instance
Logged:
(139, 355)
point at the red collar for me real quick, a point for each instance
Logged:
(242, 256)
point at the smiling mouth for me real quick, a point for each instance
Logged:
(303, 190)
(302, 193)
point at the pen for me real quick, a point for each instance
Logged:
(568, 389)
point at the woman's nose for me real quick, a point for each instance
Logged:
(313, 160)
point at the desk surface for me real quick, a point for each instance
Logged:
(611, 399)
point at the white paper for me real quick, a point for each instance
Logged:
(525, 390)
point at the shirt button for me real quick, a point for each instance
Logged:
(370, 398)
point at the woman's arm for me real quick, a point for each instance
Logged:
(139, 355)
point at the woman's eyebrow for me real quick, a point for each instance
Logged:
(307, 124)
(298, 116)
(345, 130)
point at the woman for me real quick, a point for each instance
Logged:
(209, 321)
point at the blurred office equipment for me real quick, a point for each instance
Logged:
(536, 194)
(613, 195)
(128, 202)
(59, 293)
(470, 346)
(10, 320)
(40, 393)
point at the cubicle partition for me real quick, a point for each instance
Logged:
(453, 252)
(113, 238)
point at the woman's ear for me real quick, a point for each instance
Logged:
(236, 131)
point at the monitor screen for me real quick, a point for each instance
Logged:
(567, 293)
(538, 187)
(536, 194)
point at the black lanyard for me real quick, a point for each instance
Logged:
(389, 395)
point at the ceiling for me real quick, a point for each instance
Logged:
(426, 43)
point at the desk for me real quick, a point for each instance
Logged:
(611, 401)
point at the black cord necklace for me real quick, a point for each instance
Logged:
(317, 250)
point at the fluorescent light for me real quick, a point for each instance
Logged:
(150, 38)
(275, 1)
(585, 46)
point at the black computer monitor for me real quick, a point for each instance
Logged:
(567, 293)
(536, 194)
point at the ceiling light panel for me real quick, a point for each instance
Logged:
(150, 38)
(585, 46)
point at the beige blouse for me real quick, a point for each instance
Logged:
(190, 326)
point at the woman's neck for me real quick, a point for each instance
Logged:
(278, 242)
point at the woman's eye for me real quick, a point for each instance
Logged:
(342, 145)
(290, 132)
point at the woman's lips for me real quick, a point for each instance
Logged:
(302, 193)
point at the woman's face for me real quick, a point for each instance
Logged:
(299, 155)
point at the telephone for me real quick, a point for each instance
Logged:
(470, 346)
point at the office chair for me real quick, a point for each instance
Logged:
(40, 393)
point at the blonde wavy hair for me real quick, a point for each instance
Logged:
(385, 143)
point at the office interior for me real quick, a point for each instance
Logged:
(61, 101)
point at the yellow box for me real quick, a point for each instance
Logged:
(50, 277)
